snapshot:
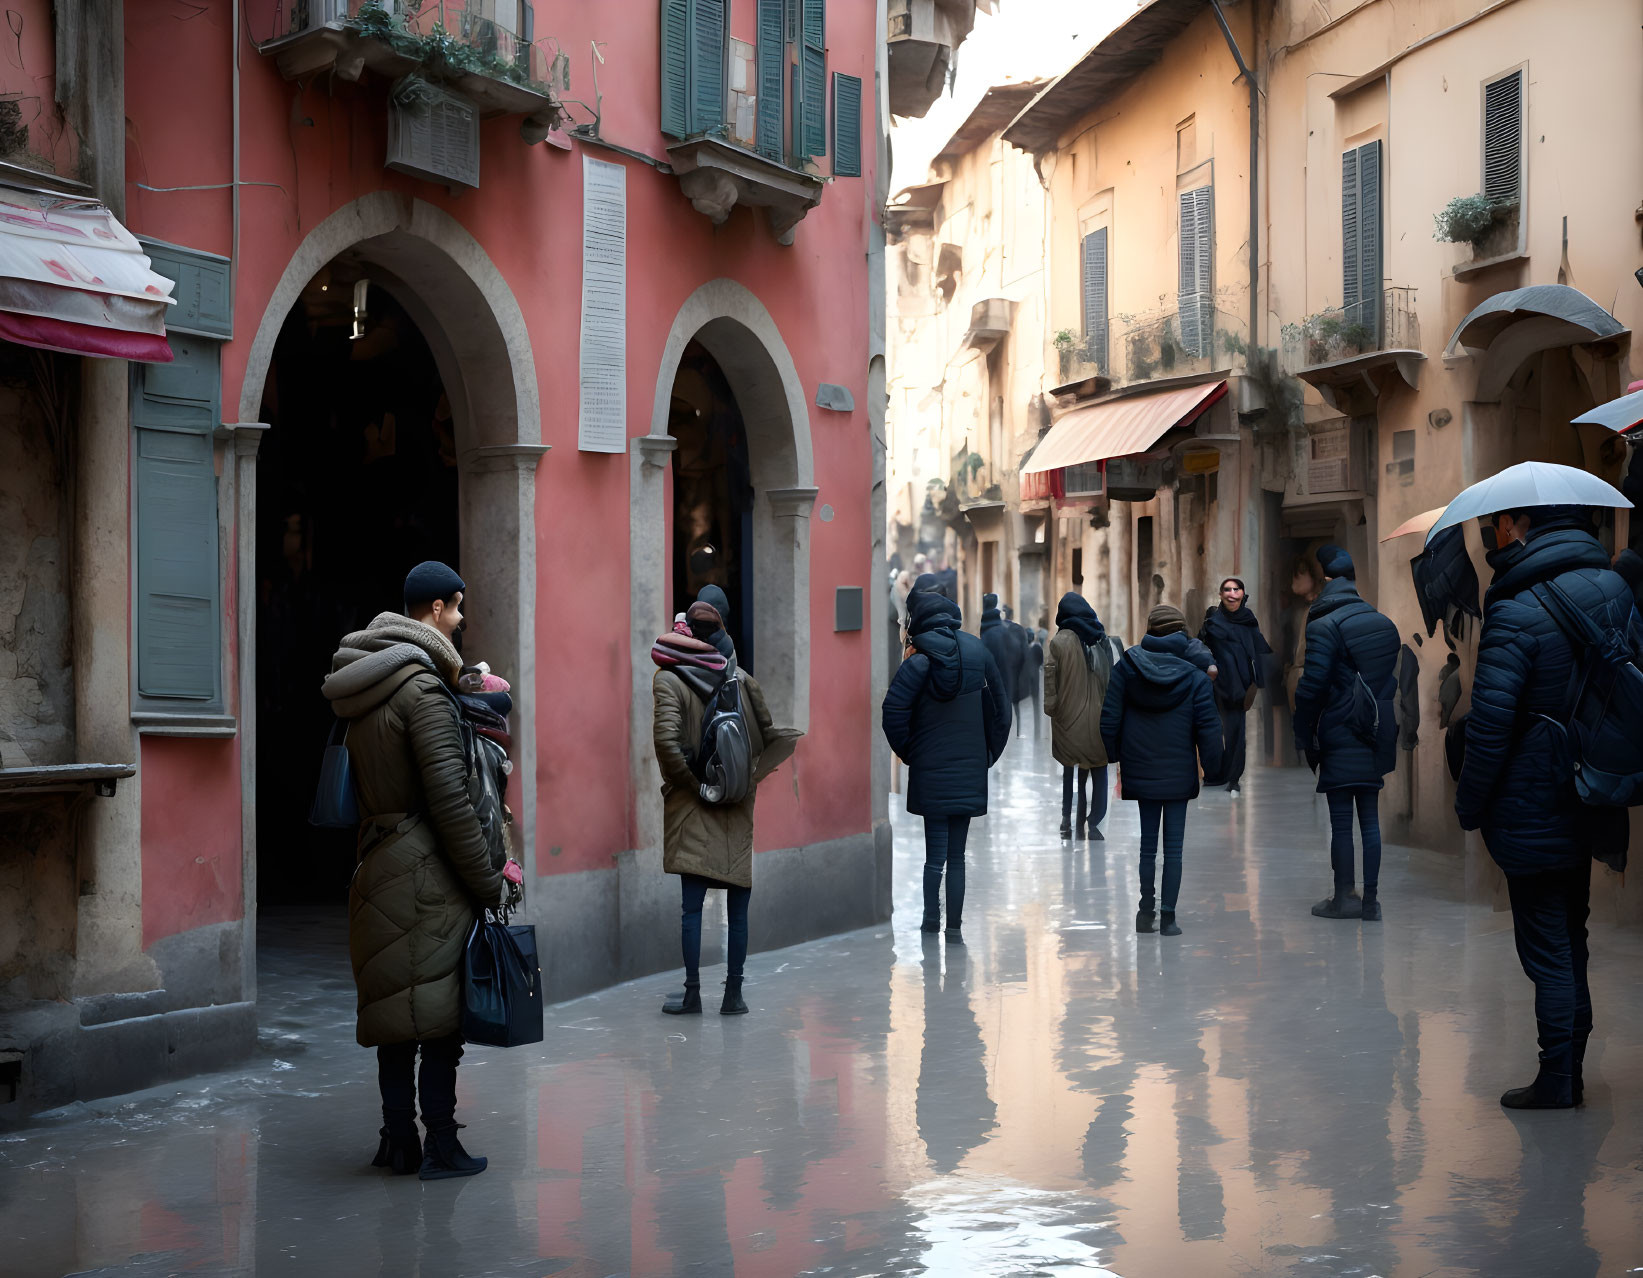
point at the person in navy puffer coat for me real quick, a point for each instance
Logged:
(947, 716)
(1158, 724)
(1008, 649)
(1351, 750)
(1511, 784)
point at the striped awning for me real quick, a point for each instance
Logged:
(1120, 427)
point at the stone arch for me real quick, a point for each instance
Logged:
(740, 334)
(476, 330)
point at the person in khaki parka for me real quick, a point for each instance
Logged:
(1077, 668)
(424, 871)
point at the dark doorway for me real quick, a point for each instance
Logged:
(712, 495)
(356, 483)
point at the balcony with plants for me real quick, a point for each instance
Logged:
(483, 50)
(1348, 352)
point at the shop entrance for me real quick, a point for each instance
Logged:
(356, 483)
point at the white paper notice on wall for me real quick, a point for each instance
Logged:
(601, 424)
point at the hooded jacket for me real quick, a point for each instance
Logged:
(1077, 670)
(1346, 637)
(424, 868)
(1159, 721)
(1240, 651)
(945, 713)
(1009, 655)
(1511, 785)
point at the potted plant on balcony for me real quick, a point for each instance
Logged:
(1489, 226)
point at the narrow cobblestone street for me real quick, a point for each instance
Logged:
(1269, 1093)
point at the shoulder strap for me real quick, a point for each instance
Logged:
(1576, 626)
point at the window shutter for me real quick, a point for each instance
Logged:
(1095, 297)
(1196, 301)
(174, 411)
(846, 125)
(707, 65)
(675, 68)
(772, 63)
(1351, 267)
(813, 78)
(1369, 238)
(1503, 138)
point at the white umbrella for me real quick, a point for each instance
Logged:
(1528, 484)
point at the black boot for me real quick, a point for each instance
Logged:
(930, 925)
(732, 1005)
(1144, 918)
(1343, 905)
(1371, 907)
(1167, 925)
(1096, 836)
(1066, 828)
(955, 934)
(687, 1004)
(445, 1159)
(401, 1147)
(1548, 1091)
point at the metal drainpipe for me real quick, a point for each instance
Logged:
(1254, 164)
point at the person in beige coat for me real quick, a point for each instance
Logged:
(1077, 668)
(708, 844)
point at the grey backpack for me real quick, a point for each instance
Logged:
(724, 759)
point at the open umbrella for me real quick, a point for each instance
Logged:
(1618, 414)
(1527, 484)
(1414, 524)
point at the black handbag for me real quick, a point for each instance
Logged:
(501, 983)
(335, 807)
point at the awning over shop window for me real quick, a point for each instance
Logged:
(73, 279)
(1119, 427)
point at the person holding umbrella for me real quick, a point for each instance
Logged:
(1515, 784)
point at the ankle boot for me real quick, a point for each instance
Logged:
(1548, 1091)
(733, 1005)
(1167, 925)
(445, 1159)
(955, 935)
(1371, 908)
(1066, 828)
(400, 1149)
(687, 1004)
(1144, 918)
(929, 924)
(1342, 905)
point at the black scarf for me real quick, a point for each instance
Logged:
(1236, 640)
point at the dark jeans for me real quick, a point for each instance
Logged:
(693, 890)
(1173, 814)
(1340, 838)
(944, 848)
(1233, 744)
(1097, 802)
(1549, 924)
(396, 1077)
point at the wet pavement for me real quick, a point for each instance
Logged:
(1268, 1094)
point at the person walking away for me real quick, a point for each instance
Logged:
(1515, 784)
(1158, 723)
(707, 839)
(1233, 635)
(1026, 679)
(1004, 646)
(1035, 673)
(1077, 669)
(1345, 726)
(947, 717)
(424, 871)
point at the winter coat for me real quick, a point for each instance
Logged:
(1076, 676)
(713, 840)
(1510, 785)
(1159, 721)
(424, 869)
(1345, 637)
(945, 713)
(1008, 652)
(1240, 651)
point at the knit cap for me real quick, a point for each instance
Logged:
(1165, 619)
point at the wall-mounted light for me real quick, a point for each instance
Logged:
(361, 289)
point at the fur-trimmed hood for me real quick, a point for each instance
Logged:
(370, 665)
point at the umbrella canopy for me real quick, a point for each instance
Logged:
(1618, 414)
(1527, 484)
(1414, 524)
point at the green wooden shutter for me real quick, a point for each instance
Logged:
(1361, 236)
(1095, 297)
(846, 125)
(772, 71)
(178, 603)
(1351, 266)
(813, 78)
(1503, 138)
(675, 68)
(707, 65)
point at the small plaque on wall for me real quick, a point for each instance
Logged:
(847, 608)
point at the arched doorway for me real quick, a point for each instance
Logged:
(434, 296)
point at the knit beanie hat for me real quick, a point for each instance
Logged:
(1336, 562)
(428, 581)
(1165, 619)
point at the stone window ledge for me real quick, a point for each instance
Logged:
(167, 723)
(716, 176)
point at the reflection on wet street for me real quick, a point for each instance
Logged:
(1269, 1093)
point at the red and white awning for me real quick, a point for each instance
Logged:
(73, 279)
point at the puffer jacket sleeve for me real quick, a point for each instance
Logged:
(436, 741)
(900, 697)
(1323, 641)
(667, 721)
(997, 708)
(1112, 713)
(1051, 670)
(1506, 662)
(1206, 727)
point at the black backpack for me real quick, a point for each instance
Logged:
(724, 758)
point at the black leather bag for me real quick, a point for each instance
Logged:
(501, 984)
(335, 807)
